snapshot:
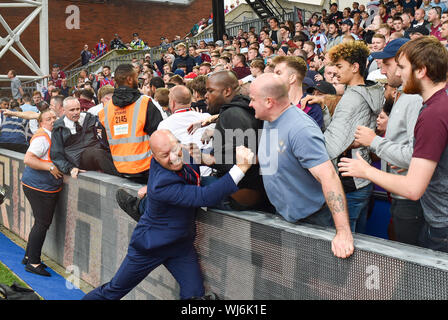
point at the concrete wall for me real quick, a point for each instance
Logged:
(243, 255)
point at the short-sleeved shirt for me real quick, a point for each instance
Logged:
(290, 146)
(431, 143)
(15, 85)
(39, 146)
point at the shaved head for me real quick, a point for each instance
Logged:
(224, 79)
(221, 87)
(269, 96)
(271, 86)
(166, 149)
(180, 96)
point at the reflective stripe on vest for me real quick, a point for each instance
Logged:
(131, 154)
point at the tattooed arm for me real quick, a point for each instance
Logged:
(342, 244)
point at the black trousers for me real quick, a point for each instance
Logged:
(94, 158)
(43, 205)
(408, 220)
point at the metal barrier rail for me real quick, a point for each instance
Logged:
(243, 255)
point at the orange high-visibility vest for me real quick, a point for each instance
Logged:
(129, 143)
(41, 180)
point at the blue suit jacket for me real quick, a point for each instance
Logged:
(171, 208)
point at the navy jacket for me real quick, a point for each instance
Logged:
(170, 213)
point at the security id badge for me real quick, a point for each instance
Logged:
(121, 129)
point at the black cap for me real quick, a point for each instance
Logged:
(135, 34)
(347, 22)
(325, 87)
(419, 29)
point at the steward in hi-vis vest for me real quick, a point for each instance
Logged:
(129, 120)
(41, 180)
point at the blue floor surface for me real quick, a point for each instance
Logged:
(49, 288)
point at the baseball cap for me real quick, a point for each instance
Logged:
(347, 22)
(325, 87)
(419, 29)
(219, 43)
(390, 50)
(307, 83)
(180, 72)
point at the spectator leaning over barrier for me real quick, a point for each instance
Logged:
(75, 143)
(423, 66)
(360, 105)
(42, 183)
(174, 195)
(298, 176)
(129, 119)
(396, 147)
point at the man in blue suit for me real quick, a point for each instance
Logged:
(166, 231)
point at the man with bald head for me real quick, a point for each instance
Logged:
(300, 180)
(75, 146)
(236, 125)
(166, 231)
(182, 115)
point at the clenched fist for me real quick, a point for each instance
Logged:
(244, 158)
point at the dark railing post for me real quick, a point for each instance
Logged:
(218, 19)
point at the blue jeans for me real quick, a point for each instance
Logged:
(434, 238)
(322, 218)
(358, 202)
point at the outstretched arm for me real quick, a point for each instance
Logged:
(342, 244)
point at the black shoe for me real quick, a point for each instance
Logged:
(40, 270)
(25, 262)
(128, 204)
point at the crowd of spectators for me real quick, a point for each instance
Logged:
(350, 102)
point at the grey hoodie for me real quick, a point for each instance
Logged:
(359, 106)
(397, 145)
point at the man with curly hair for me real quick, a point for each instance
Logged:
(359, 106)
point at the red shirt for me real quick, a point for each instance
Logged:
(431, 129)
(436, 32)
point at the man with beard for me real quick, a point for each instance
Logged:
(422, 65)
(396, 147)
(129, 119)
(236, 125)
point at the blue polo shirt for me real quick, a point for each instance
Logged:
(289, 146)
